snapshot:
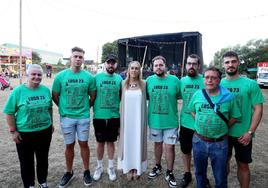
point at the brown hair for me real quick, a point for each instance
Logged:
(77, 49)
(230, 54)
(159, 57)
(212, 68)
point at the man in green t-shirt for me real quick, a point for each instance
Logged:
(163, 93)
(106, 118)
(189, 85)
(210, 137)
(70, 92)
(250, 101)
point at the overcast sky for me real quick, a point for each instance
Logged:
(59, 25)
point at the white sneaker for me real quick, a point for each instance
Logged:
(98, 172)
(111, 173)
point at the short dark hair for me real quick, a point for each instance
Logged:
(230, 54)
(77, 49)
(159, 57)
(212, 68)
(195, 56)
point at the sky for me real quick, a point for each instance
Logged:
(59, 25)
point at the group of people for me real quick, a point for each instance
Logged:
(217, 115)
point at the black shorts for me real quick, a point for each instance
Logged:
(106, 130)
(186, 137)
(242, 153)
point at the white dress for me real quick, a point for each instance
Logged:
(132, 157)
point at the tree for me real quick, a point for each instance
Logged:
(36, 59)
(254, 51)
(109, 48)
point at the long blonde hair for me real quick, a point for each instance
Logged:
(141, 83)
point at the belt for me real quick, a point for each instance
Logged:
(211, 139)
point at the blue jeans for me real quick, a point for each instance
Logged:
(218, 154)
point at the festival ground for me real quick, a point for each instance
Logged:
(10, 171)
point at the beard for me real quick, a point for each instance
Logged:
(110, 70)
(232, 73)
(192, 72)
(160, 74)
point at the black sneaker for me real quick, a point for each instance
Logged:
(155, 172)
(66, 179)
(87, 178)
(170, 179)
(187, 178)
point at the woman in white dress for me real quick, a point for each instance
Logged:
(132, 153)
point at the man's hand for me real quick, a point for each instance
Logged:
(245, 138)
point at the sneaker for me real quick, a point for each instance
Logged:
(155, 172)
(87, 178)
(186, 180)
(170, 179)
(66, 179)
(111, 173)
(31, 187)
(98, 172)
(43, 185)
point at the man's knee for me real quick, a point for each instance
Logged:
(169, 146)
(70, 146)
(83, 144)
(244, 167)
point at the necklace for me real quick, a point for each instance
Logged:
(133, 85)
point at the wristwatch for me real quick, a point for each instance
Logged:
(250, 132)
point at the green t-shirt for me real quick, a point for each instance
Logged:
(106, 105)
(74, 89)
(248, 94)
(188, 87)
(207, 122)
(163, 106)
(30, 108)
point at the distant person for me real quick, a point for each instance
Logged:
(48, 70)
(172, 72)
(250, 101)
(106, 118)
(70, 92)
(189, 85)
(123, 74)
(210, 139)
(28, 112)
(163, 93)
(132, 158)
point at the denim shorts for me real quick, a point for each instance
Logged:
(70, 127)
(168, 136)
